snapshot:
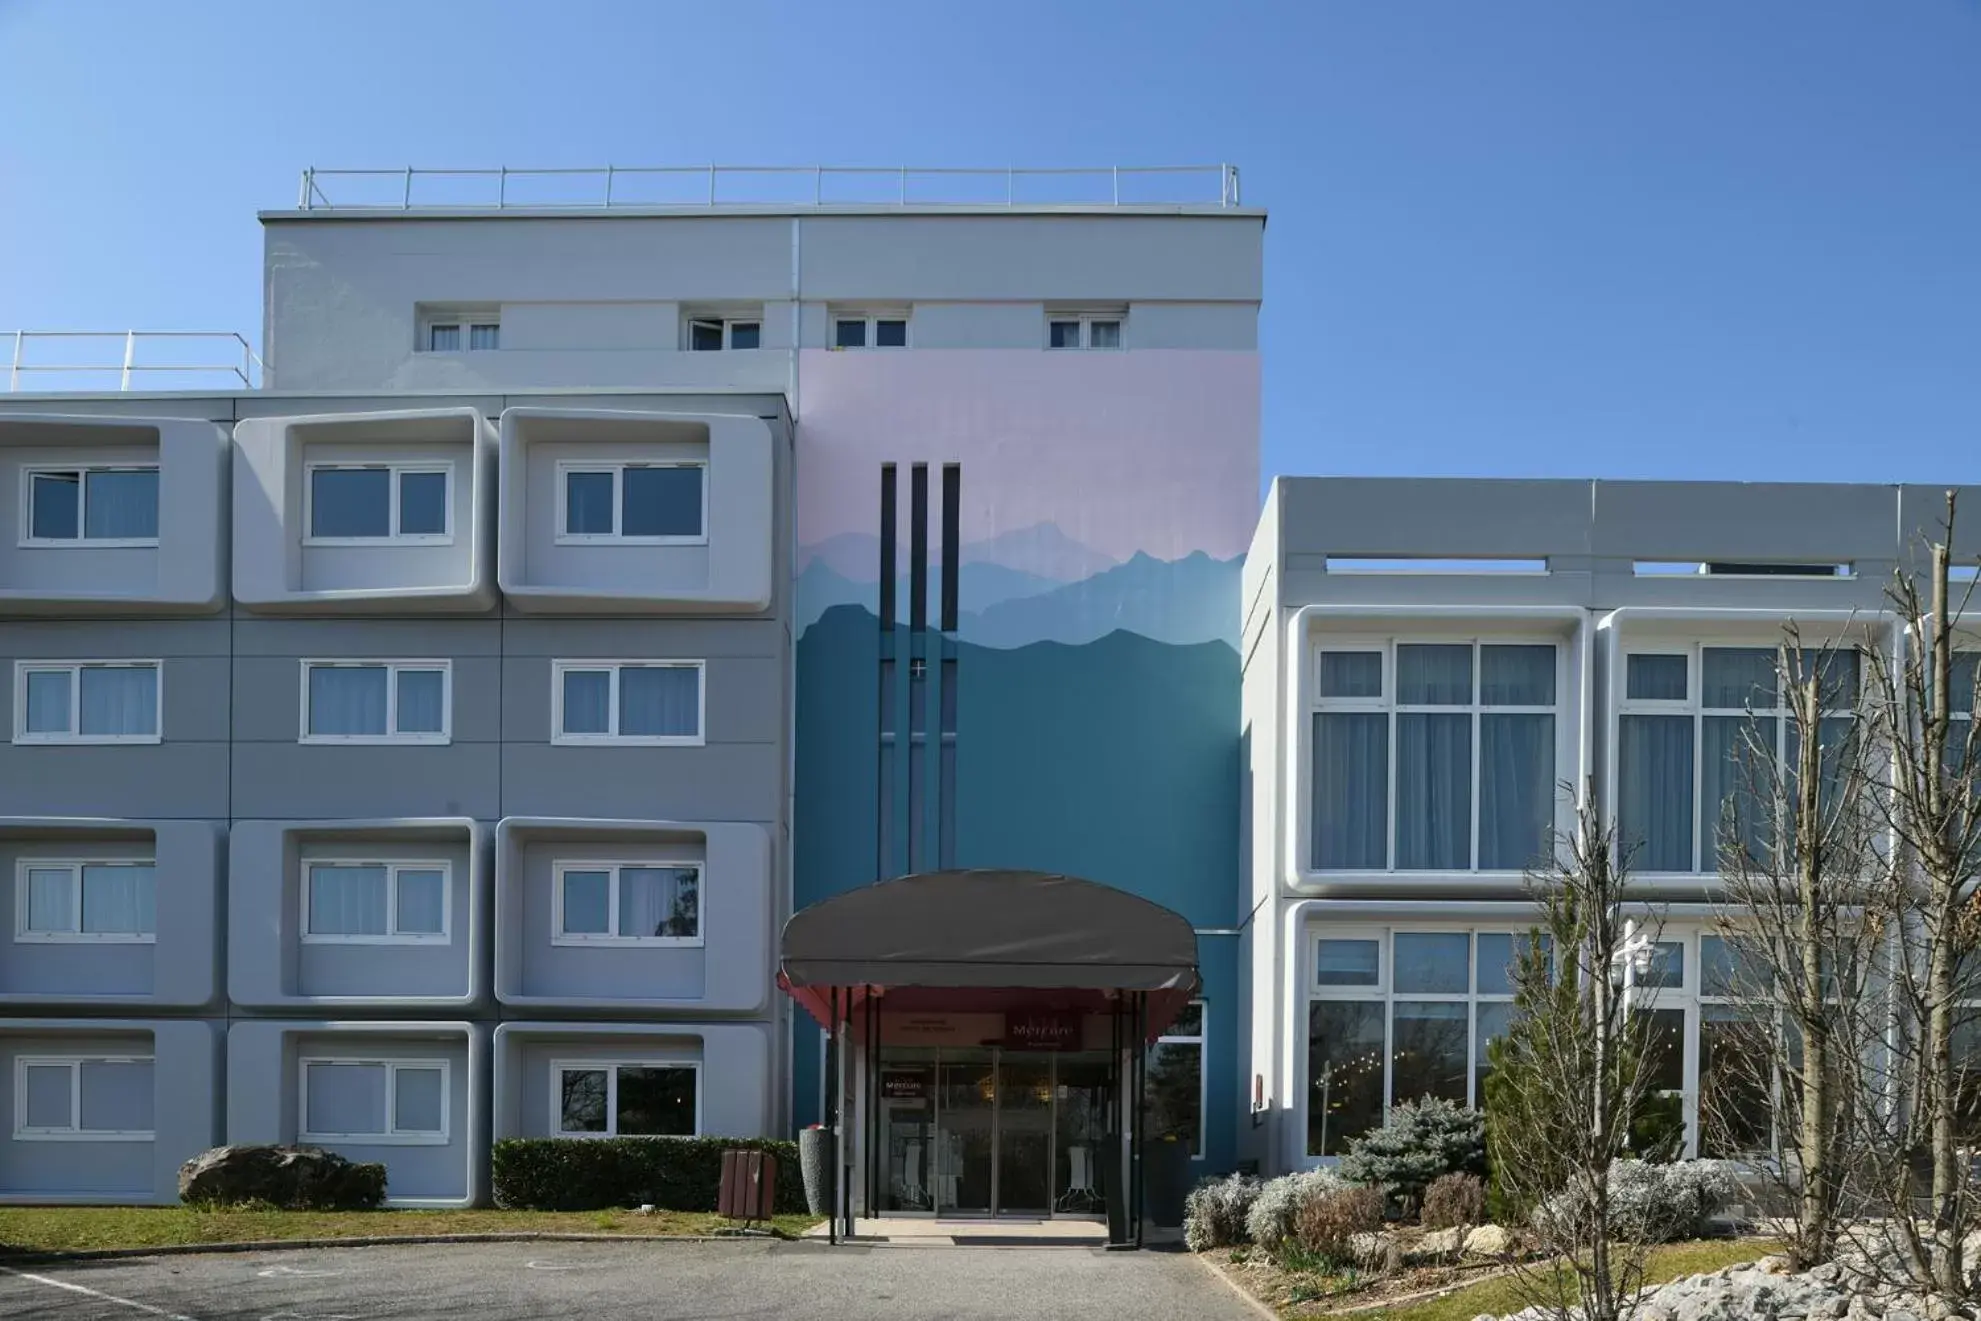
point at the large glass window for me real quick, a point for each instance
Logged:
(649, 902)
(387, 1101)
(376, 701)
(379, 502)
(1689, 721)
(83, 1098)
(653, 702)
(102, 506)
(1176, 1080)
(64, 900)
(86, 702)
(646, 1098)
(1433, 756)
(638, 503)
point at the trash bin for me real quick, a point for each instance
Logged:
(1165, 1181)
(815, 1148)
(749, 1185)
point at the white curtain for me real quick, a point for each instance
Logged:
(347, 901)
(1728, 776)
(119, 699)
(120, 900)
(347, 699)
(1516, 788)
(117, 1096)
(1351, 788)
(420, 702)
(587, 702)
(659, 901)
(345, 1098)
(48, 701)
(421, 901)
(1433, 791)
(660, 699)
(1437, 674)
(1654, 772)
(51, 901)
(121, 504)
(1736, 678)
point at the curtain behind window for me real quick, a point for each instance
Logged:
(345, 1098)
(1433, 791)
(347, 699)
(1654, 773)
(1351, 790)
(120, 900)
(119, 700)
(1516, 789)
(659, 901)
(420, 702)
(660, 699)
(121, 505)
(347, 901)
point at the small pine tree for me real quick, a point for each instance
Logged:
(1421, 1141)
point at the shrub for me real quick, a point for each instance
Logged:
(1214, 1212)
(1657, 1203)
(1420, 1141)
(1453, 1200)
(595, 1174)
(1325, 1226)
(1271, 1222)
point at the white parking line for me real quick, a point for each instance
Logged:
(295, 1273)
(131, 1303)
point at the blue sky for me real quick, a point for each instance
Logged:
(1671, 238)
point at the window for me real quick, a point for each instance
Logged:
(1395, 1016)
(86, 1098)
(620, 1099)
(1084, 330)
(354, 902)
(1433, 756)
(648, 504)
(97, 505)
(367, 503)
(452, 330)
(1176, 1080)
(649, 902)
(1682, 747)
(59, 900)
(650, 702)
(86, 701)
(869, 330)
(711, 334)
(377, 701)
(401, 1102)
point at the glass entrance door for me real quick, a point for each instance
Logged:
(966, 1136)
(1024, 1134)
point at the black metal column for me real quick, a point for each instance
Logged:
(832, 1115)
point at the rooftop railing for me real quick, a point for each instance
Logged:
(685, 186)
(132, 359)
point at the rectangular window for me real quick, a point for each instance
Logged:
(713, 334)
(647, 504)
(649, 702)
(86, 701)
(1176, 1081)
(450, 330)
(377, 701)
(629, 1098)
(364, 902)
(95, 505)
(1433, 756)
(402, 1102)
(648, 902)
(1084, 330)
(1686, 730)
(85, 1098)
(869, 330)
(63, 900)
(367, 504)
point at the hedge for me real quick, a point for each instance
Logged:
(596, 1174)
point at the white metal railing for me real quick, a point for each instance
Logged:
(104, 353)
(764, 185)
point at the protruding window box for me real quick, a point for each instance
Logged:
(109, 913)
(591, 1080)
(632, 915)
(104, 516)
(372, 512)
(403, 1094)
(388, 913)
(636, 511)
(104, 1109)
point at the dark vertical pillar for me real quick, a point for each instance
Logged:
(888, 760)
(952, 560)
(832, 1115)
(918, 664)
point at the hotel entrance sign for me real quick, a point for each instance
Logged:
(1041, 1030)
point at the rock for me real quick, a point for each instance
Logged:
(1488, 1241)
(1437, 1245)
(1773, 1264)
(293, 1178)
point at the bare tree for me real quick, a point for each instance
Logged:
(1567, 1078)
(1807, 915)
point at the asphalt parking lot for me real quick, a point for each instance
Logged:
(658, 1281)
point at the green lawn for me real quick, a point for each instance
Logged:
(94, 1228)
(1501, 1295)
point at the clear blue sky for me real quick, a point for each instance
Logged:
(1669, 238)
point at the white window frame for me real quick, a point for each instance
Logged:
(392, 669)
(392, 935)
(74, 866)
(74, 668)
(1086, 335)
(610, 1068)
(610, 937)
(1387, 704)
(869, 319)
(80, 541)
(391, 1137)
(728, 324)
(618, 467)
(75, 1132)
(463, 320)
(558, 669)
(1694, 649)
(394, 537)
(1201, 1040)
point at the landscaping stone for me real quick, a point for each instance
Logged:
(293, 1178)
(1489, 1241)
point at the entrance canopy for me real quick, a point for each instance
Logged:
(979, 940)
